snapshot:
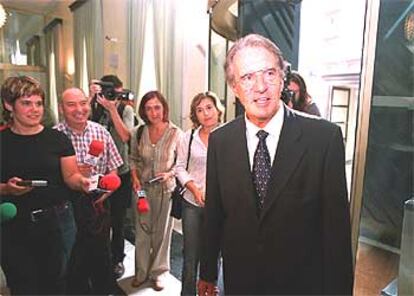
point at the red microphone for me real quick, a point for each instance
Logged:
(110, 182)
(4, 127)
(142, 202)
(107, 183)
(96, 147)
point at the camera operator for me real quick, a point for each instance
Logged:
(287, 95)
(301, 99)
(111, 107)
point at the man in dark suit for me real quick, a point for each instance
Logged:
(276, 202)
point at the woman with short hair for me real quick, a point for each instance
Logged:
(33, 254)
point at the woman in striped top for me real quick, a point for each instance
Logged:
(153, 156)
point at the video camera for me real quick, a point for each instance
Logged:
(287, 95)
(109, 92)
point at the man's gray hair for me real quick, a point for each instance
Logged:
(251, 40)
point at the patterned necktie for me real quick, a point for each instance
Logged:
(261, 167)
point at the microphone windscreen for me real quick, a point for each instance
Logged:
(110, 182)
(7, 211)
(96, 147)
(4, 127)
(142, 205)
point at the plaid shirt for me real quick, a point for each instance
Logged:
(109, 160)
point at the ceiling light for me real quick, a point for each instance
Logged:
(3, 15)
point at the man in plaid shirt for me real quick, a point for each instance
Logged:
(90, 268)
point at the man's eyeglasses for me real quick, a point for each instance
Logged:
(270, 76)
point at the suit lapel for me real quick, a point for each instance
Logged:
(243, 169)
(288, 154)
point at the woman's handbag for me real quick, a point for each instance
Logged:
(177, 194)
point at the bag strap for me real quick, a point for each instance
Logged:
(139, 133)
(189, 148)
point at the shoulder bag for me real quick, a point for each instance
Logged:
(177, 194)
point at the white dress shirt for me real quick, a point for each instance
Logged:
(273, 127)
(197, 165)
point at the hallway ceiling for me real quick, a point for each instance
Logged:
(31, 6)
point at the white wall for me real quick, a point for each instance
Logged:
(194, 23)
(330, 53)
(62, 11)
(191, 22)
(330, 43)
(115, 25)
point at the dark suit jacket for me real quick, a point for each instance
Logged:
(300, 243)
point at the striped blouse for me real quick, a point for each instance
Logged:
(149, 159)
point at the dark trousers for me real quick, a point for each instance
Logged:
(33, 254)
(119, 201)
(90, 267)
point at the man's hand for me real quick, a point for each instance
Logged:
(207, 288)
(111, 106)
(94, 88)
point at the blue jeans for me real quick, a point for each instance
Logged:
(68, 229)
(192, 223)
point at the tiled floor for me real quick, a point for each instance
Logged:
(375, 269)
(172, 284)
(172, 280)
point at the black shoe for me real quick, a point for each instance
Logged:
(117, 291)
(119, 269)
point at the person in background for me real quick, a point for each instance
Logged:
(32, 244)
(4, 290)
(90, 267)
(276, 204)
(120, 120)
(205, 115)
(153, 156)
(301, 100)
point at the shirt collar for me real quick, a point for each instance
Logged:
(69, 129)
(273, 127)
